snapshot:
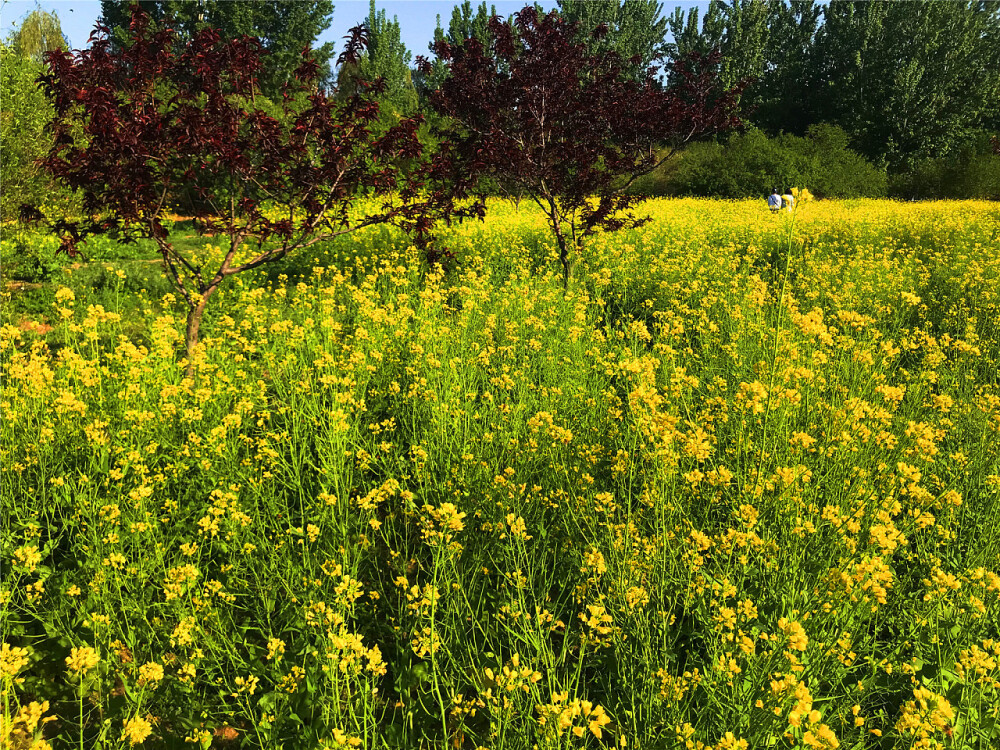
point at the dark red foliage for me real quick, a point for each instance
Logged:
(357, 40)
(544, 118)
(138, 127)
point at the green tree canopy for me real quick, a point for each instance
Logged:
(285, 27)
(385, 57)
(38, 33)
(767, 42)
(694, 32)
(909, 80)
(466, 23)
(24, 114)
(738, 28)
(636, 28)
(783, 98)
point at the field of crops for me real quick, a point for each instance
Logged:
(739, 488)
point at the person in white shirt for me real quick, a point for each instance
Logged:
(774, 201)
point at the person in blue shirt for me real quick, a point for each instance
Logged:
(774, 201)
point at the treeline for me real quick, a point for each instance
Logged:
(914, 86)
(853, 98)
(856, 98)
(906, 80)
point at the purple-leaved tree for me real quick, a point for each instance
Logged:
(542, 117)
(138, 125)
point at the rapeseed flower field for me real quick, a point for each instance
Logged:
(738, 488)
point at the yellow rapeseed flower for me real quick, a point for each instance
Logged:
(797, 638)
(136, 730)
(81, 660)
(151, 673)
(275, 649)
(12, 660)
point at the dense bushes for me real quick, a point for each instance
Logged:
(752, 164)
(28, 256)
(24, 111)
(835, 171)
(972, 172)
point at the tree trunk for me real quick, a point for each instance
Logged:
(564, 259)
(191, 334)
(553, 216)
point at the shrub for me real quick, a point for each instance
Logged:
(751, 164)
(972, 172)
(29, 256)
(24, 111)
(835, 171)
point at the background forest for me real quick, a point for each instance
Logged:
(858, 99)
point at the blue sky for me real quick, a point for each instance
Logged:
(417, 18)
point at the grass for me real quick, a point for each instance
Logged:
(739, 488)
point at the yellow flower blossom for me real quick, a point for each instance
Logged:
(82, 659)
(136, 730)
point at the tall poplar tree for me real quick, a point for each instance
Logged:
(635, 28)
(744, 43)
(465, 23)
(738, 29)
(694, 32)
(385, 57)
(909, 80)
(784, 98)
(284, 27)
